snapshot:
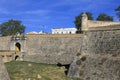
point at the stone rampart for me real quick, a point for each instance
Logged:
(101, 42)
(101, 37)
(98, 25)
(52, 49)
(101, 23)
(46, 48)
(100, 52)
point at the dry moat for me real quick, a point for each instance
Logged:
(21, 70)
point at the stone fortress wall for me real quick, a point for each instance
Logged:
(43, 48)
(61, 48)
(101, 37)
(102, 42)
(52, 49)
(99, 45)
(88, 25)
(99, 58)
(101, 23)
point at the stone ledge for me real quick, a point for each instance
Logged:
(104, 28)
(55, 35)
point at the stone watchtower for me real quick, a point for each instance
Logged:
(84, 22)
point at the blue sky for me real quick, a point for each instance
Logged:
(35, 14)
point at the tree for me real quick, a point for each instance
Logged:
(118, 12)
(11, 28)
(104, 17)
(78, 21)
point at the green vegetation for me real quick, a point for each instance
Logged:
(35, 71)
(11, 27)
(104, 17)
(118, 12)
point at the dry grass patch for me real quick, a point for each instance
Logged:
(35, 71)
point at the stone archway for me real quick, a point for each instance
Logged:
(17, 47)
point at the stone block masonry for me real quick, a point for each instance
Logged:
(48, 48)
(88, 25)
(102, 42)
(101, 51)
(52, 49)
(5, 43)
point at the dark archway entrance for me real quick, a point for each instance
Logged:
(17, 47)
(17, 51)
(16, 57)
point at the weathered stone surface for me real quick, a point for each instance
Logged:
(3, 71)
(102, 42)
(5, 43)
(99, 68)
(74, 68)
(52, 49)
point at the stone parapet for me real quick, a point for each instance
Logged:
(88, 25)
(101, 23)
(54, 35)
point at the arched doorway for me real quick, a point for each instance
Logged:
(17, 51)
(17, 47)
(16, 57)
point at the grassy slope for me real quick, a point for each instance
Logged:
(21, 70)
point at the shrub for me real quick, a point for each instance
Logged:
(83, 58)
(78, 54)
(78, 62)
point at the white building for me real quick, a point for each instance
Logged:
(64, 31)
(34, 32)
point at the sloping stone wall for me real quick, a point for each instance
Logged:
(3, 71)
(99, 68)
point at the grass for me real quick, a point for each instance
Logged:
(21, 70)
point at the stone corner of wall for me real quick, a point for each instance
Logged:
(3, 71)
